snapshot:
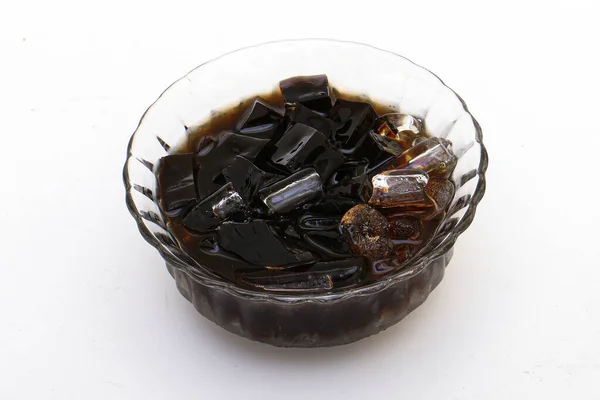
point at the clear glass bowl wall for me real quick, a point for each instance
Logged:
(329, 318)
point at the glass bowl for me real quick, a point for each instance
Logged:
(305, 320)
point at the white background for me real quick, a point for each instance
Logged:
(88, 311)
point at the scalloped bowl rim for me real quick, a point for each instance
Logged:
(411, 269)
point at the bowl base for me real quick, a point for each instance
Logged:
(311, 322)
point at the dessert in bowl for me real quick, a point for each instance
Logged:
(306, 193)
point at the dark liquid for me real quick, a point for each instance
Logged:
(320, 256)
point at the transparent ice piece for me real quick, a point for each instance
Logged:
(399, 187)
(441, 192)
(292, 192)
(403, 123)
(403, 128)
(321, 276)
(433, 155)
(223, 204)
(366, 231)
(405, 228)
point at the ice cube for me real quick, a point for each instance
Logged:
(258, 243)
(176, 189)
(384, 130)
(419, 139)
(403, 253)
(247, 178)
(220, 155)
(400, 127)
(297, 146)
(406, 228)
(366, 231)
(353, 119)
(230, 205)
(223, 204)
(299, 113)
(321, 276)
(433, 155)
(311, 91)
(399, 187)
(403, 124)
(277, 281)
(259, 120)
(293, 191)
(441, 192)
